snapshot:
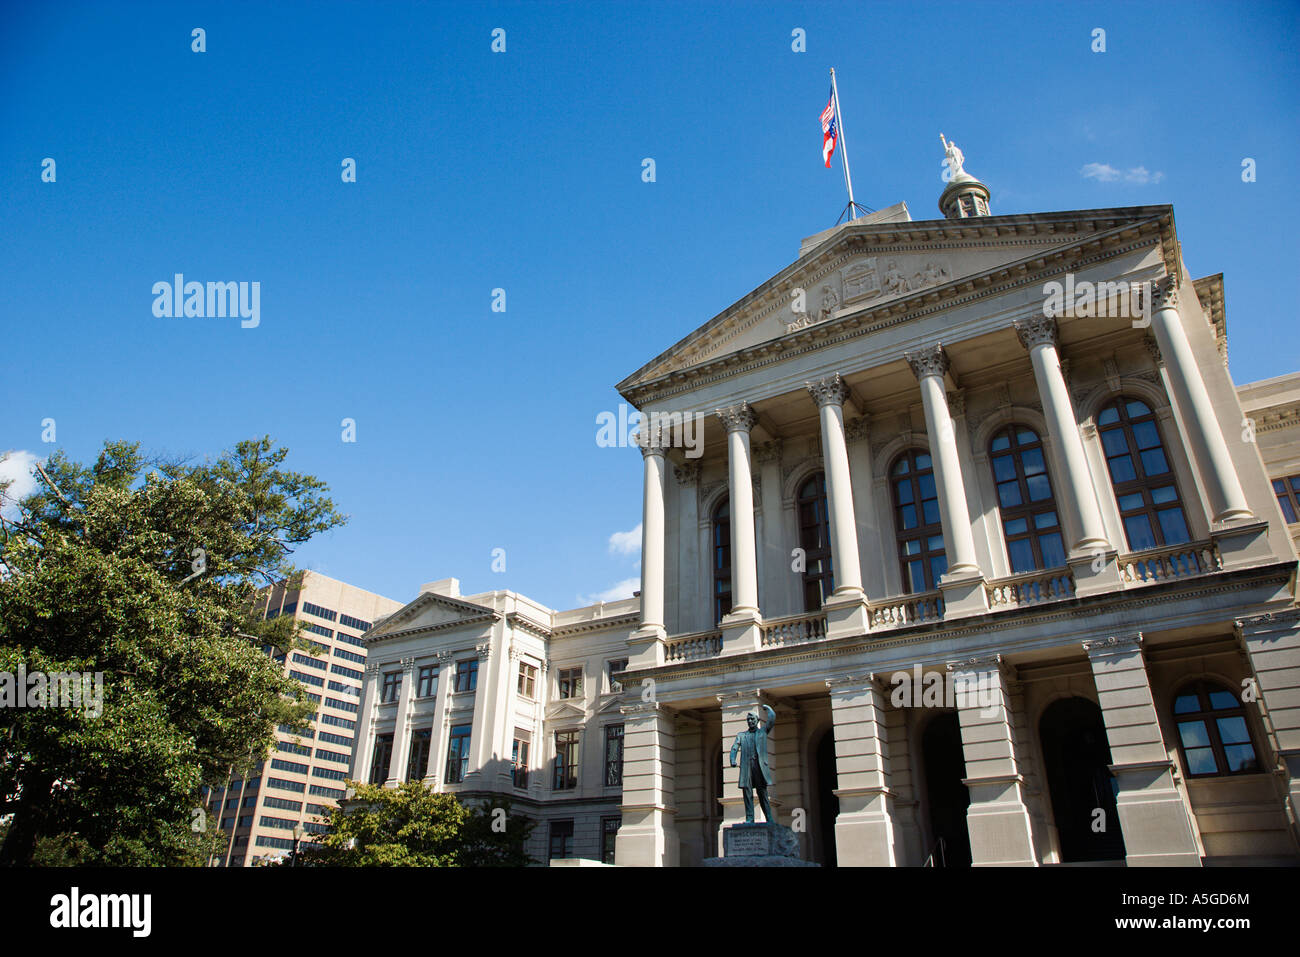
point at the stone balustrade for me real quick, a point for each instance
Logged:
(1030, 588)
(793, 629)
(907, 610)
(693, 647)
(1164, 564)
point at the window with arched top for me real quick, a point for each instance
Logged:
(916, 521)
(722, 560)
(1213, 734)
(815, 540)
(1145, 490)
(1030, 521)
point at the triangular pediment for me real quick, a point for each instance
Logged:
(564, 710)
(429, 611)
(855, 268)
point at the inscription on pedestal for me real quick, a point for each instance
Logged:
(746, 842)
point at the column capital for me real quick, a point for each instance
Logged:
(651, 442)
(445, 656)
(408, 664)
(372, 669)
(852, 682)
(931, 360)
(768, 451)
(1036, 331)
(1129, 642)
(977, 663)
(484, 650)
(1164, 293)
(830, 390)
(738, 418)
(688, 473)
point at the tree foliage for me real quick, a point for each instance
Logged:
(100, 573)
(413, 826)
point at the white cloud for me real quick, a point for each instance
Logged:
(626, 543)
(18, 467)
(618, 592)
(1105, 173)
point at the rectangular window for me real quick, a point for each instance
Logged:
(349, 656)
(427, 685)
(283, 843)
(301, 659)
(306, 678)
(294, 766)
(356, 623)
(350, 639)
(467, 675)
(570, 681)
(329, 738)
(392, 686)
(334, 756)
(379, 763)
(608, 832)
(316, 629)
(283, 823)
(321, 790)
(246, 820)
(342, 705)
(519, 757)
(283, 804)
(337, 721)
(566, 760)
(300, 749)
(458, 753)
(295, 732)
(319, 810)
(561, 839)
(616, 669)
(344, 689)
(352, 673)
(329, 773)
(309, 609)
(418, 762)
(613, 755)
(527, 680)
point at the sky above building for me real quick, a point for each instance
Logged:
(475, 450)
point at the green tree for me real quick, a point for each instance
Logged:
(412, 826)
(145, 571)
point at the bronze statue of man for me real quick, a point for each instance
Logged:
(754, 772)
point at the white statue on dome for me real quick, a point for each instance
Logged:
(955, 156)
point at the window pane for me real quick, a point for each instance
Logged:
(909, 516)
(1009, 494)
(904, 491)
(1121, 469)
(1108, 415)
(1279, 485)
(927, 485)
(1186, 704)
(1146, 436)
(1017, 526)
(1194, 734)
(1127, 502)
(912, 547)
(1233, 730)
(1053, 550)
(1136, 409)
(916, 576)
(901, 466)
(1045, 520)
(1288, 510)
(1172, 526)
(1241, 757)
(1222, 699)
(935, 544)
(1025, 437)
(1022, 556)
(1153, 462)
(1033, 461)
(1160, 496)
(1004, 468)
(938, 565)
(1039, 487)
(1295, 483)
(1200, 761)
(1001, 443)
(1138, 531)
(930, 512)
(922, 461)
(1113, 442)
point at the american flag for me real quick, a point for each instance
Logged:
(829, 130)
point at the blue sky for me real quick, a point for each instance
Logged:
(521, 170)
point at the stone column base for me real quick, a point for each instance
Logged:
(864, 829)
(646, 646)
(1156, 827)
(1088, 579)
(1243, 544)
(740, 631)
(963, 595)
(846, 614)
(648, 842)
(998, 823)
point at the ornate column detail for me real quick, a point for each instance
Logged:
(1077, 491)
(859, 430)
(740, 627)
(1152, 814)
(963, 585)
(765, 452)
(1153, 349)
(829, 390)
(957, 404)
(1209, 449)
(483, 650)
(687, 474)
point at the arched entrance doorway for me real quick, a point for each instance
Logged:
(1076, 758)
(828, 805)
(945, 768)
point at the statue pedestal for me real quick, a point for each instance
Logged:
(758, 845)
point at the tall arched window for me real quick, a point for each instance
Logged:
(1212, 732)
(1025, 500)
(916, 521)
(815, 540)
(722, 560)
(1144, 485)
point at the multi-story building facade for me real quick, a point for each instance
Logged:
(925, 466)
(1016, 574)
(263, 803)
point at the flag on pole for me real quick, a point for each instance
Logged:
(830, 131)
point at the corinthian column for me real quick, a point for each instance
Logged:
(963, 585)
(648, 640)
(740, 627)
(1210, 451)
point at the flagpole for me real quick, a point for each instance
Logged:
(844, 151)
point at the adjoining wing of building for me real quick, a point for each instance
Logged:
(1012, 561)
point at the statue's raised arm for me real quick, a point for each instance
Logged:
(770, 718)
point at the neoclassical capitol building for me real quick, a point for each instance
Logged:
(979, 514)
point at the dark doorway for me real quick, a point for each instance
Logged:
(828, 805)
(945, 767)
(1076, 757)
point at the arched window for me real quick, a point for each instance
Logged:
(916, 521)
(815, 540)
(1144, 485)
(1212, 732)
(1025, 500)
(722, 560)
